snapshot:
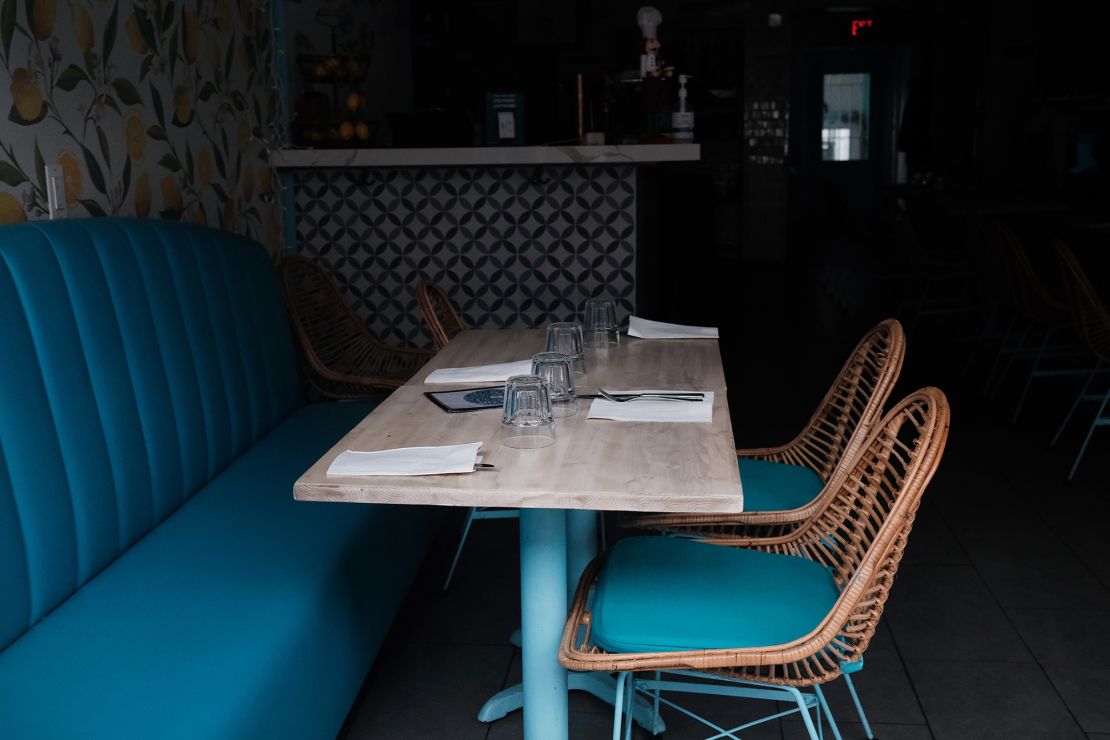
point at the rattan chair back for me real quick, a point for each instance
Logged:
(1034, 298)
(860, 535)
(342, 358)
(853, 403)
(443, 320)
(1088, 310)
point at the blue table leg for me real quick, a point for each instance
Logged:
(581, 545)
(543, 608)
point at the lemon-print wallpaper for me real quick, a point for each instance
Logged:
(148, 107)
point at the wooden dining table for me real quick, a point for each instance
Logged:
(594, 465)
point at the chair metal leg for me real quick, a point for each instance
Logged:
(1010, 362)
(859, 707)
(618, 705)
(1032, 374)
(1001, 351)
(1075, 405)
(1090, 432)
(459, 549)
(629, 694)
(828, 712)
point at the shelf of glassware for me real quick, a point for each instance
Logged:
(295, 158)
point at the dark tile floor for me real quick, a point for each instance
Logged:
(998, 625)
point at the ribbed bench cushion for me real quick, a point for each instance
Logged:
(140, 357)
(244, 614)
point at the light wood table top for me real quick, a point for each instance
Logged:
(595, 464)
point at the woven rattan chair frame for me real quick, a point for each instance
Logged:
(343, 359)
(444, 322)
(860, 535)
(1091, 316)
(826, 444)
(1035, 300)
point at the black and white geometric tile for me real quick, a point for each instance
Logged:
(512, 247)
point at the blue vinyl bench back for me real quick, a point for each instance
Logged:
(138, 358)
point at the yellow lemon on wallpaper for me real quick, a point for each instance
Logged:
(142, 196)
(25, 94)
(134, 137)
(135, 34)
(362, 131)
(171, 194)
(248, 184)
(191, 39)
(346, 130)
(265, 180)
(72, 179)
(204, 167)
(82, 28)
(43, 15)
(11, 210)
(182, 106)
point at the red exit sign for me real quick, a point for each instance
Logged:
(858, 24)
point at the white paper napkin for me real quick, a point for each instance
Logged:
(480, 373)
(645, 329)
(407, 461)
(648, 410)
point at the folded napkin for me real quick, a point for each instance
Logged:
(643, 409)
(645, 329)
(407, 461)
(480, 373)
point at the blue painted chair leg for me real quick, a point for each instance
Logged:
(828, 712)
(629, 694)
(618, 705)
(1098, 421)
(543, 609)
(859, 707)
(459, 549)
(1075, 405)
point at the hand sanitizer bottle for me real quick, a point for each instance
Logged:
(682, 120)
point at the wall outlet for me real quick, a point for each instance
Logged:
(55, 192)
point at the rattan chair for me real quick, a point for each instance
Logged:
(765, 617)
(342, 358)
(1093, 322)
(443, 320)
(786, 485)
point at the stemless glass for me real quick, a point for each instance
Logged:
(557, 369)
(566, 337)
(600, 326)
(526, 419)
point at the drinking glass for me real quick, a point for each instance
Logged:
(566, 337)
(557, 369)
(526, 419)
(600, 326)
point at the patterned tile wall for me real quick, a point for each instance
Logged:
(513, 247)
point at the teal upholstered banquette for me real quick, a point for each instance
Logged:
(157, 579)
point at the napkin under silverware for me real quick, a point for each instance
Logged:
(646, 409)
(646, 329)
(498, 373)
(407, 461)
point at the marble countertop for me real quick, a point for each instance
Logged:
(486, 156)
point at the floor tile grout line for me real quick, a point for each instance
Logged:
(909, 678)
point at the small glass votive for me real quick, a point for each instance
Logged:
(526, 418)
(557, 369)
(600, 328)
(566, 337)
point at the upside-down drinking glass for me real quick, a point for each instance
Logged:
(566, 337)
(557, 369)
(526, 418)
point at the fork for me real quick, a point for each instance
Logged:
(676, 396)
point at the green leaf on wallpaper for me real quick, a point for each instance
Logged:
(156, 132)
(40, 168)
(92, 207)
(111, 103)
(127, 93)
(95, 173)
(173, 51)
(9, 175)
(90, 63)
(170, 162)
(239, 100)
(218, 189)
(144, 68)
(110, 32)
(189, 160)
(15, 117)
(167, 16)
(206, 91)
(103, 141)
(146, 28)
(229, 56)
(221, 167)
(7, 25)
(156, 103)
(70, 77)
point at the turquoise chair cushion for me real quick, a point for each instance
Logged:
(772, 486)
(657, 594)
(244, 614)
